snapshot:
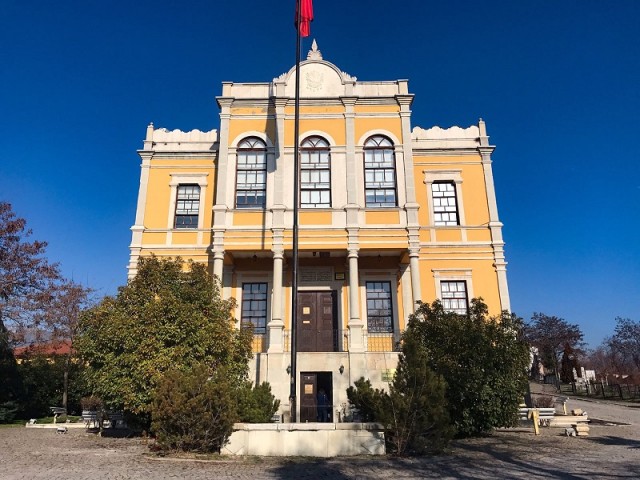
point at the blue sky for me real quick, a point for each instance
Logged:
(558, 83)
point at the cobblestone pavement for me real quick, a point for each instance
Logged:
(609, 452)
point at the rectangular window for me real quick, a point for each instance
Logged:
(251, 179)
(379, 307)
(454, 296)
(380, 178)
(187, 206)
(254, 307)
(315, 179)
(445, 204)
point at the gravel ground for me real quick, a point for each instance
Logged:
(609, 452)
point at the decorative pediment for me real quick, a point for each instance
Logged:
(318, 78)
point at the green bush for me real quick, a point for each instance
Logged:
(256, 404)
(414, 413)
(483, 360)
(166, 317)
(367, 400)
(8, 411)
(194, 410)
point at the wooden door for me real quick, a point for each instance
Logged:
(317, 322)
(308, 406)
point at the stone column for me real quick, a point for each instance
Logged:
(276, 325)
(356, 326)
(414, 265)
(218, 265)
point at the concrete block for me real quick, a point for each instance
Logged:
(305, 439)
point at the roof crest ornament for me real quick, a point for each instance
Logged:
(314, 53)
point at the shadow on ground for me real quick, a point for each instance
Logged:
(616, 441)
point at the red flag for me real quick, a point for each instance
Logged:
(306, 16)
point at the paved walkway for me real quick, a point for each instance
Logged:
(610, 452)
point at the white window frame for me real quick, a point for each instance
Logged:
(303, 150)
(239, 151)
(455, 176)
(365, 277)
(178, 179)
(454, 275)
(370, 147)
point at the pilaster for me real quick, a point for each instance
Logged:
(495, 226)
(352, 183)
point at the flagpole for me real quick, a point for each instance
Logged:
(296, 199)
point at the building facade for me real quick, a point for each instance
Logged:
(389, 215)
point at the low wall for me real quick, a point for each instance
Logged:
(305, 439)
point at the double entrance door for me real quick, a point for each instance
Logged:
(317, 322)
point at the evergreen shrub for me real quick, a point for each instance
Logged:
(194, 410)
(256, 404)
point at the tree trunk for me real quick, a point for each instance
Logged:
(65, 384)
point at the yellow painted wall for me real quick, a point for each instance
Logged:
(445, 234)
(238, 128)
(476, 209)
(377, 108)
(156, 211)
(154, 238)
(475, 235)
(249, 111)
(158, 202)
(315, 110)
(334, 127)
(365, 125)
(249, 218)
(316, 218)
(386, 217)
(184, 237)
(483, 279)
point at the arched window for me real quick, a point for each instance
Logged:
(379, 172)
(315, 173)
(251, 173)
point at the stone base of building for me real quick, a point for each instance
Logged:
(306, 439)
(335, 372)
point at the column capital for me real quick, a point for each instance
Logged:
(485, 152)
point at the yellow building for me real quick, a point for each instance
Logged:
(389, 215)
